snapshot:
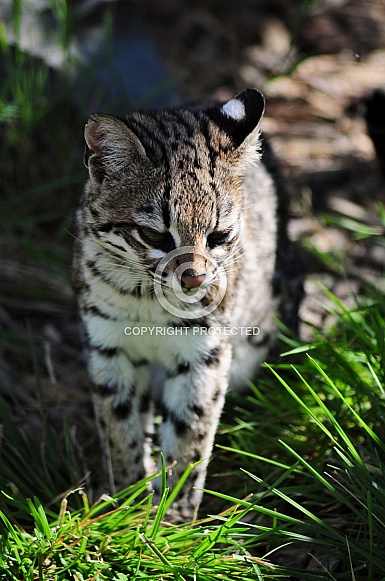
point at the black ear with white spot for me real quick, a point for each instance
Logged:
(240, 116)
(111, 148)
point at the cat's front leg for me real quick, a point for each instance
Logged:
(122, 404)
(192, 404)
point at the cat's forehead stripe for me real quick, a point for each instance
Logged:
(166, 215)
(175, 234)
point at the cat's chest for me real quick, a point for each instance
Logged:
(142, 327)
(128, 311)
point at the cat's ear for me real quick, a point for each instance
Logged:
(240, 118)
(111, 148)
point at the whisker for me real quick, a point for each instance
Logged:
(232, 260)
(233, 270)
(109, 253)
(114, 264)
(234, 253)
(233, 263)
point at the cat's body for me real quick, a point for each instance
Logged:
(181, 258)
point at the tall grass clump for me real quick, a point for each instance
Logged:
(321, 446)
(122, 539)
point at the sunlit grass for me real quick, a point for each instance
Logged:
(123, 538)
(316, 448)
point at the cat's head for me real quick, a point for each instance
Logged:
(165, 189)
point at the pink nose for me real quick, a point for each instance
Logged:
(190, 280)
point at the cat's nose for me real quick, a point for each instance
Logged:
(190, 279)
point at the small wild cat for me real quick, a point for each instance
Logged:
(181, 259)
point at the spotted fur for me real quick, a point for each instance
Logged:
(188, 181)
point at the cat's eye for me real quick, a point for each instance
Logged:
(218, 238)
(160, 240)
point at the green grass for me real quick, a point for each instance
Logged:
(322, 451)
(125, 540)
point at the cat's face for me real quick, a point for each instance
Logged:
(165, 191)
